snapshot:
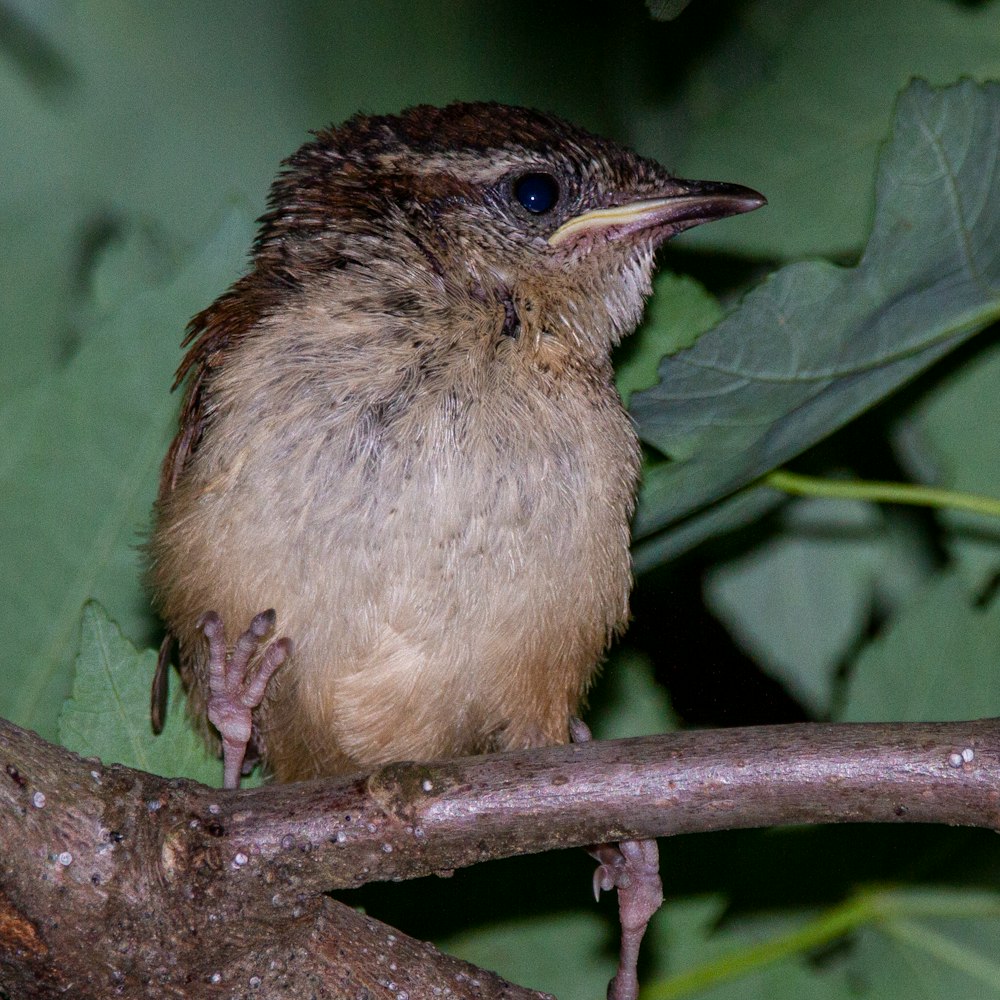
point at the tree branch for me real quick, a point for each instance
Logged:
(115, 878)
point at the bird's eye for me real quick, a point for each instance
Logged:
(538, 193)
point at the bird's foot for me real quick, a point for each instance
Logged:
(234, 692)
(633, 868)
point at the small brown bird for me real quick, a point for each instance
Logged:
(401, 432)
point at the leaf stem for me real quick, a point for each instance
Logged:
(880, 492)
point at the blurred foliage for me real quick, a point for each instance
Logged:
(139, 143)
(666, 10)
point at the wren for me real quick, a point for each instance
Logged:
(400, 431)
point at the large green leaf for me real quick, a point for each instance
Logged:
(903, 941)
(934, 660)
(678, 313)
(795, 97)
(816, 344)
(940, 943)
(114, 113)
(800, 603)
(940, 441)
(565, 954)
(78, 474)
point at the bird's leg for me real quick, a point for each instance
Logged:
(233, 691)
(633, 868)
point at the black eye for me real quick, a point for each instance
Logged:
(538, 193)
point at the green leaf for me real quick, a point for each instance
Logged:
(78, 476)
(107, 715)
(817, 344)
(799, 603)
(666, 10)
(934, 943)
(794, 99)
(935, 660)
(695, 957)
(941, 444)
(949, 935)
(123, 115)
(679, 312)
(565, 955)
(628, 701)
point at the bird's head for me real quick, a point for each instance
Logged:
(546, 229)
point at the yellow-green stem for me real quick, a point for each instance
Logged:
(880, 492)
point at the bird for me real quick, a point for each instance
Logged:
(400, 444)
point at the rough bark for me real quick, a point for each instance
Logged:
(118, 883)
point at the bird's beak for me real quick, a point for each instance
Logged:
(694, 203)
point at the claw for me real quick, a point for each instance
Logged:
(604, 876)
